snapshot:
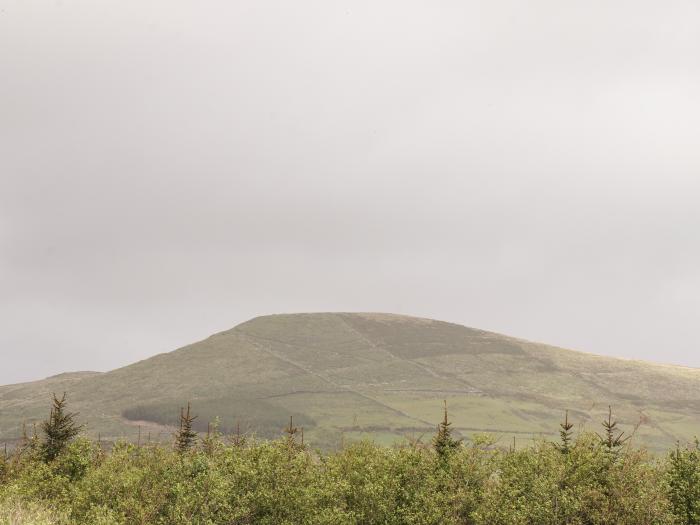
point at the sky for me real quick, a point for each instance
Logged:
(169, 169)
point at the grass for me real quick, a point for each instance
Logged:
(13, 511)
(350, 376)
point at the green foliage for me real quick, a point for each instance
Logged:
(683, 480)
(185, 438)
(371, 484)
(565, 434)
(58, 430)
(542, 486)
(595, 481)
(443, 442)
(212, 440)
(294, 436)
(271, 483)
(612, 438)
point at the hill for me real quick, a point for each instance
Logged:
(346, 376)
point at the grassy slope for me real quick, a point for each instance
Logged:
(346, 376)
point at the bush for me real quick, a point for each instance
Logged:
(279, 482)
(683, 483)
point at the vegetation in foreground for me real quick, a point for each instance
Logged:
(58, 478)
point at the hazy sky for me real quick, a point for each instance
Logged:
(169, 169)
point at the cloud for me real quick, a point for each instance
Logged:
(169, 170)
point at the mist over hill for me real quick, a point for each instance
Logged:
(346, 376)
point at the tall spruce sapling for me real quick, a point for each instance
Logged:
(612, 439)
(565, 434)
(443, 442)
(291, 432)
(185, 438)
(213, 438)
(59, 430)
(238, 439)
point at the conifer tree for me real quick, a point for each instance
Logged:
(238, 439)
(185, 438)
(291, 432)
(443, 442)
(213, 438)
(59, 430)
(612, 440)
(565, 434)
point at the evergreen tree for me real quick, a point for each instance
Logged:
(59, 430)
(612, 440)
(238, 439)
(212, 441)
(443, 442)
(291, 432)
(565, 434)
(185, 438)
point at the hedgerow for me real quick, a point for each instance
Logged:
(218, 480)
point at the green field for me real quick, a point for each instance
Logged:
(349, 376)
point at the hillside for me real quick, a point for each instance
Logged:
(346, 376)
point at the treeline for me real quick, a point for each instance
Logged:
(58, 477)
(236, 413)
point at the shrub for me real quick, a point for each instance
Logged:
(273, 482)
(683, 483)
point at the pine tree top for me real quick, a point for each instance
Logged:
(565, 434)
(611, 439)
(59, 430)
(186, 437)
(443, 442)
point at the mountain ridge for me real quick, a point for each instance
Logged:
(382, 376)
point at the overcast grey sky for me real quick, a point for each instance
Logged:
(169, 169)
